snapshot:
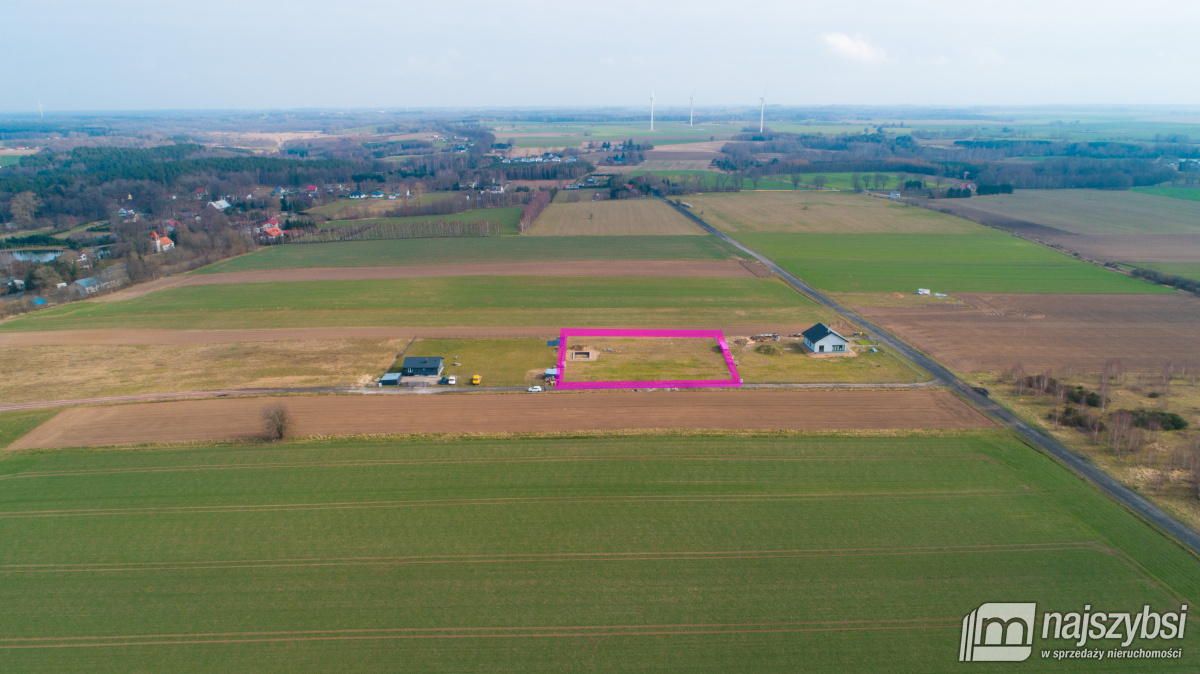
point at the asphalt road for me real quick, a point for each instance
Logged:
(1033, 436)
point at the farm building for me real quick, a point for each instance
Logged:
(85, 286)
(390, 379)
(820, 338)
(422, 366)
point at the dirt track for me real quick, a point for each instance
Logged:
(598, 268)
(1053, 331)
(232, 418)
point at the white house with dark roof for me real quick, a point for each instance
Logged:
(821, 338)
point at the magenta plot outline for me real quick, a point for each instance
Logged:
(734, 379)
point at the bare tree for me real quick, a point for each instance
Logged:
(818, 182)
(277, 421)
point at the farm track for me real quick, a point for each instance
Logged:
(1034, 436)
(239, 418)
(596, 268)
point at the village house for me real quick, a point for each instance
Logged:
(820, 338)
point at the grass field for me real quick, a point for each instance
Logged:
(1186, 193)
(334, 209)
(507, 218)
(985, 262)
(619, 217)
(792, 365)
(501, 362)
(1096, 211)
(444, 301)
(15, 424)
(821, 212)
(711, 179)
(647, 359)
(489, 249)
(695, 553)
(58, 372)
(1185, 270)
(9, 159)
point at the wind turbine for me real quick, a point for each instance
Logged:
(691, 109)
(762, 111)
(651, 110)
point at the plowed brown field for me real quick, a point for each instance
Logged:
(598, 268)
(1050, 331)
(232, 418)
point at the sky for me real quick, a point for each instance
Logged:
(74, 55)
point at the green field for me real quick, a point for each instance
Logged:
(506, 217)
(444, 301)
(1186, 193)
(9, 159)
(711, 179)
(1185, 270)
(1096, 211)
(491, 249)
(15, 424)
(334, 208)
(501, 362)
(686, 553)
(987, 262)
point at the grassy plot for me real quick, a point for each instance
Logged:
(821, 212)
(984, 262)
(57, 372)
(490, 249)
(507, 218)
(702, 553)
(1183, 269)
(711, 179)
(619, 217)
(645, 359)
(334, 209)
(501, 362)
(1186, 193)
(787, 362)
(13, 425)
(443, 301)
(1096, 211)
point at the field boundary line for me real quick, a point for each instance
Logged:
(532, 500)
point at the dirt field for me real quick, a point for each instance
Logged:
(706, 150)
(990, 333)
(228, 419)
(623, 217)
(38, 373)
(598, 268)
(820, 212)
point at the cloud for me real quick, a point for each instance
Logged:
(857, 48)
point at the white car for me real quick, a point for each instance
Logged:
(451, 381)
(534, 389)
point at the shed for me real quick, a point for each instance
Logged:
(418, 366)
(551, 372)
(552, 342)
(390, 379)
(820, 338)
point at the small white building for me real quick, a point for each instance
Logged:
(821, 338)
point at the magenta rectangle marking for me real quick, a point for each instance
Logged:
(733, 381)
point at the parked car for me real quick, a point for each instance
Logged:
(452, 380)
(534, 389)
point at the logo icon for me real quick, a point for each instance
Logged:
(998, 632)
